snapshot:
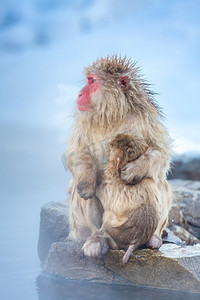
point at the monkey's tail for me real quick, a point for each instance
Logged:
(128, 253)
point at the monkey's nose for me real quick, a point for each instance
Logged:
(80, 95)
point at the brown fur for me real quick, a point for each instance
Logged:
(132, 221)
(115, 111)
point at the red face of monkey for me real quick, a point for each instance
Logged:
(84, 96)
(93, 84)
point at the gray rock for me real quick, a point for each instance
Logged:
(171, 267)
(66, 260)
(54, 226)
(184, 235)
(185, 210)
(169, 237)
(186, 166)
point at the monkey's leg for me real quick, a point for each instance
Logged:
(96, 245)
(155, 242)
(110, 219)
(99, 242)
(85, 215)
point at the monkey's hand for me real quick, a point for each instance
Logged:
(86, 189)
(134, 171)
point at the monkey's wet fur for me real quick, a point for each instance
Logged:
(118, 133)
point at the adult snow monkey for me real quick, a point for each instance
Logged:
(114, 101)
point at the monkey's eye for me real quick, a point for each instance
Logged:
(91, 79)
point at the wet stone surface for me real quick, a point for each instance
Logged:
(172, 267)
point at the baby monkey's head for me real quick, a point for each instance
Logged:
(125, 148)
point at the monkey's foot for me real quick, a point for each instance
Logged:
(95, 247)
(85, 189)
(155, 242)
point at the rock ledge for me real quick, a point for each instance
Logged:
(172, 267)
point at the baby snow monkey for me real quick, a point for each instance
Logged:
(132, 213)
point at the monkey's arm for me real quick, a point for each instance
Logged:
(84, 171)
(154, 163)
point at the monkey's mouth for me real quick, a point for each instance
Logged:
(83, 107)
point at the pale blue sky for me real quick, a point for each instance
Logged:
(46, 46)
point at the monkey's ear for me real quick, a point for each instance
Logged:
(123, 83)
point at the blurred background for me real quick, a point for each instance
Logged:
(44, 46)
